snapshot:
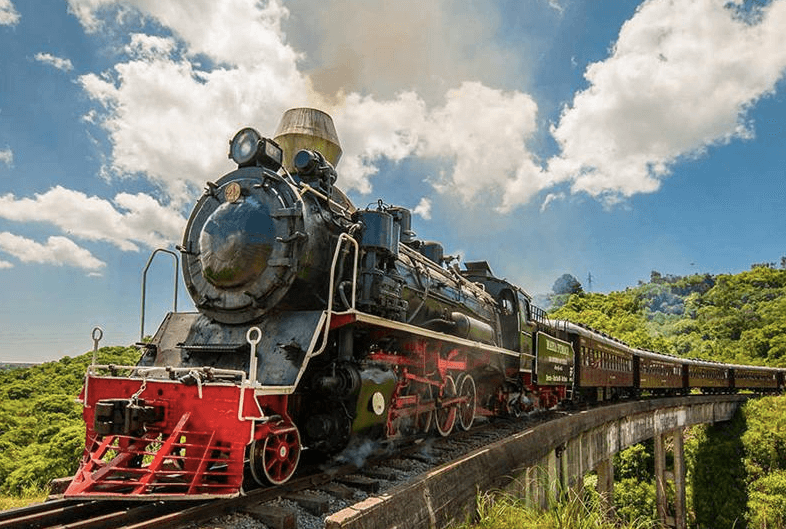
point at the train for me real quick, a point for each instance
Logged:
(319, 324)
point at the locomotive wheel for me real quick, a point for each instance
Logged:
(466, 413)
(446, 416)
(274, 459)
(417, 422)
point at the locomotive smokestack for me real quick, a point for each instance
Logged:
(307, 128)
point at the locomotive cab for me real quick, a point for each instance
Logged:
(515, 320)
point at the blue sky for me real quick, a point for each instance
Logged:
(611, 138)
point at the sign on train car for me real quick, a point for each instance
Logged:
(553, 360)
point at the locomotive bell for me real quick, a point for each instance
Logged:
(310, 129)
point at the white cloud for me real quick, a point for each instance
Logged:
(482, 130)
(486, 131)
(168, 119)
(551, 197)
(237, 32)
(7, 156)
(5, 264)
(555, 5)
(423, 208)
(171, 120)
(370, 130)
(59, 63)
(681, 78)
(9, 16)
(150, 46)
(130, 221)
(57, 251)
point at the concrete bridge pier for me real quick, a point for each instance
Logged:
(677, 476)
(605, 486)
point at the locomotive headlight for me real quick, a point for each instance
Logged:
(248, 147)
(244, 146)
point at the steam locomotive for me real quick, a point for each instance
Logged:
(319, 323)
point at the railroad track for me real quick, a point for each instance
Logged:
(356, 475)
(97, 514)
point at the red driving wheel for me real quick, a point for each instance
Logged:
(274, 459)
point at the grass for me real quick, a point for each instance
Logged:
(576, 511)
(23, 500)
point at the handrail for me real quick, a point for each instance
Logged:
(144, 286)
(98, 333)
(253, 337)
(332, 286)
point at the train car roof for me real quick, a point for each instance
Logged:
(589, 332)
(762, 368)
(602, 337)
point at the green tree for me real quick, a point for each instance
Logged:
(767, 501)
(41, 430)
(717, 474)
(567, 284)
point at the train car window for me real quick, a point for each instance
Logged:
(510, 322)
(524, 307)
(506, 302)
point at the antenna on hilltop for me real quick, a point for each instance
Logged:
(589, 282)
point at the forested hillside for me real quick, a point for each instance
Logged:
(41, 430)
(739, 318)
(737, 470)
(733, 318)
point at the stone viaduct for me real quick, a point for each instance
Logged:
(538, 462)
